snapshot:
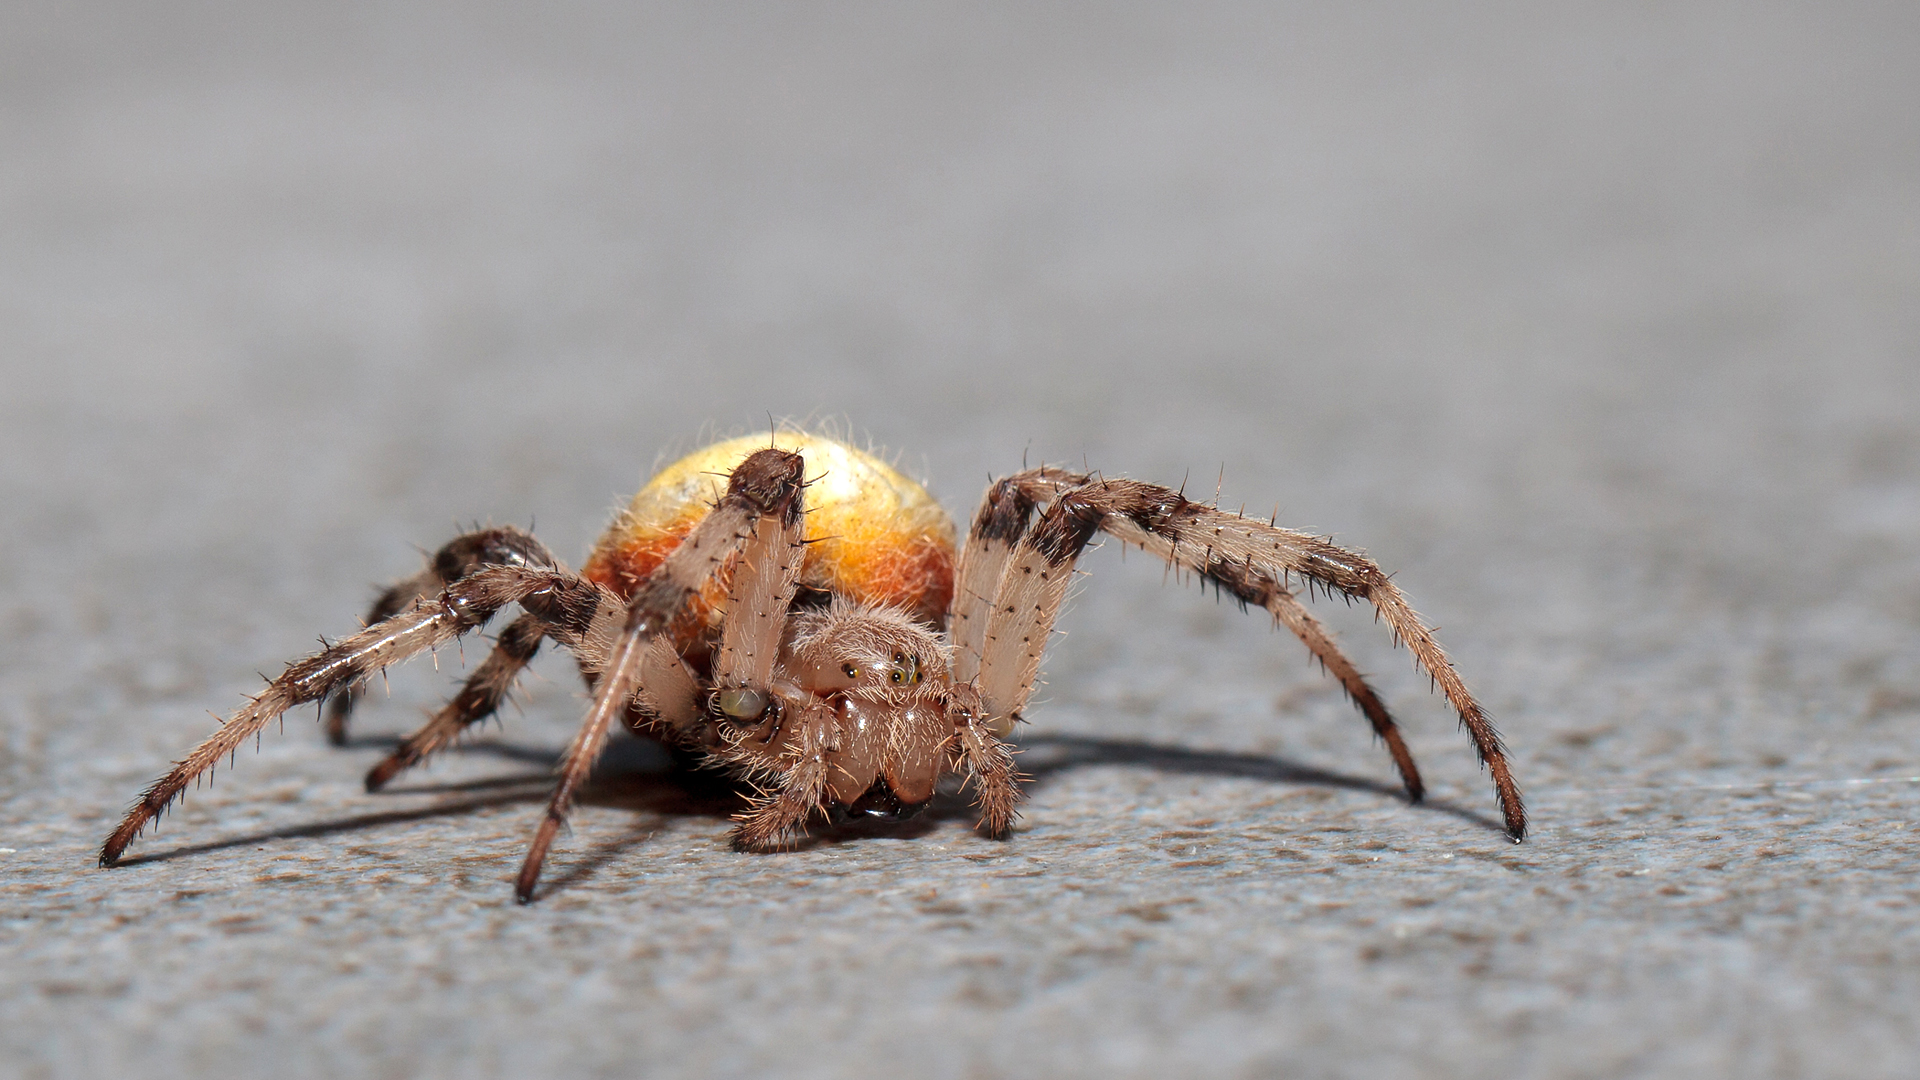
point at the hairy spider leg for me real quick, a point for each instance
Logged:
(764, 582)
(456, 559)
(479, 697)
(1005, 511)
(988, 761)
(587, 633)
(1250, 559)
(1044, 484)
(1287, 608)
(766, 483)
(763, 588)
(778, 818)
(550, 594)
(1004, 515)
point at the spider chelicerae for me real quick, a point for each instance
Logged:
(792, 610)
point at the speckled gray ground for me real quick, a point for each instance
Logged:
(1598, 327)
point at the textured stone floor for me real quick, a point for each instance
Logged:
(1597, 328)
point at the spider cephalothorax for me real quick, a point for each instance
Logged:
(806, 624)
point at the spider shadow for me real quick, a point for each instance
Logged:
(628, 777)
(510, 790)
(1046, 756)
(641, 776)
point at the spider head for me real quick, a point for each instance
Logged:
(884, 676)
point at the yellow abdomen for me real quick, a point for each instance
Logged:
(874, 535)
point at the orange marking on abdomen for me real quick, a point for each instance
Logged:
(873, 535)
(622, 563)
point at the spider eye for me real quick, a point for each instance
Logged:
(849, 671)
(907, 669)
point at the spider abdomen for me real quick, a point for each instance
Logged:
(874, 535)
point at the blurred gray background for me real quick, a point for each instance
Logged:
(1597, 325)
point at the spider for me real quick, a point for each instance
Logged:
(819, 638)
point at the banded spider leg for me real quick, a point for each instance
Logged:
(1015, 571)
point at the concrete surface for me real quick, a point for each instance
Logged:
(1595, 325)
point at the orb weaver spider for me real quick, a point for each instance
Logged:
(819, 637)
